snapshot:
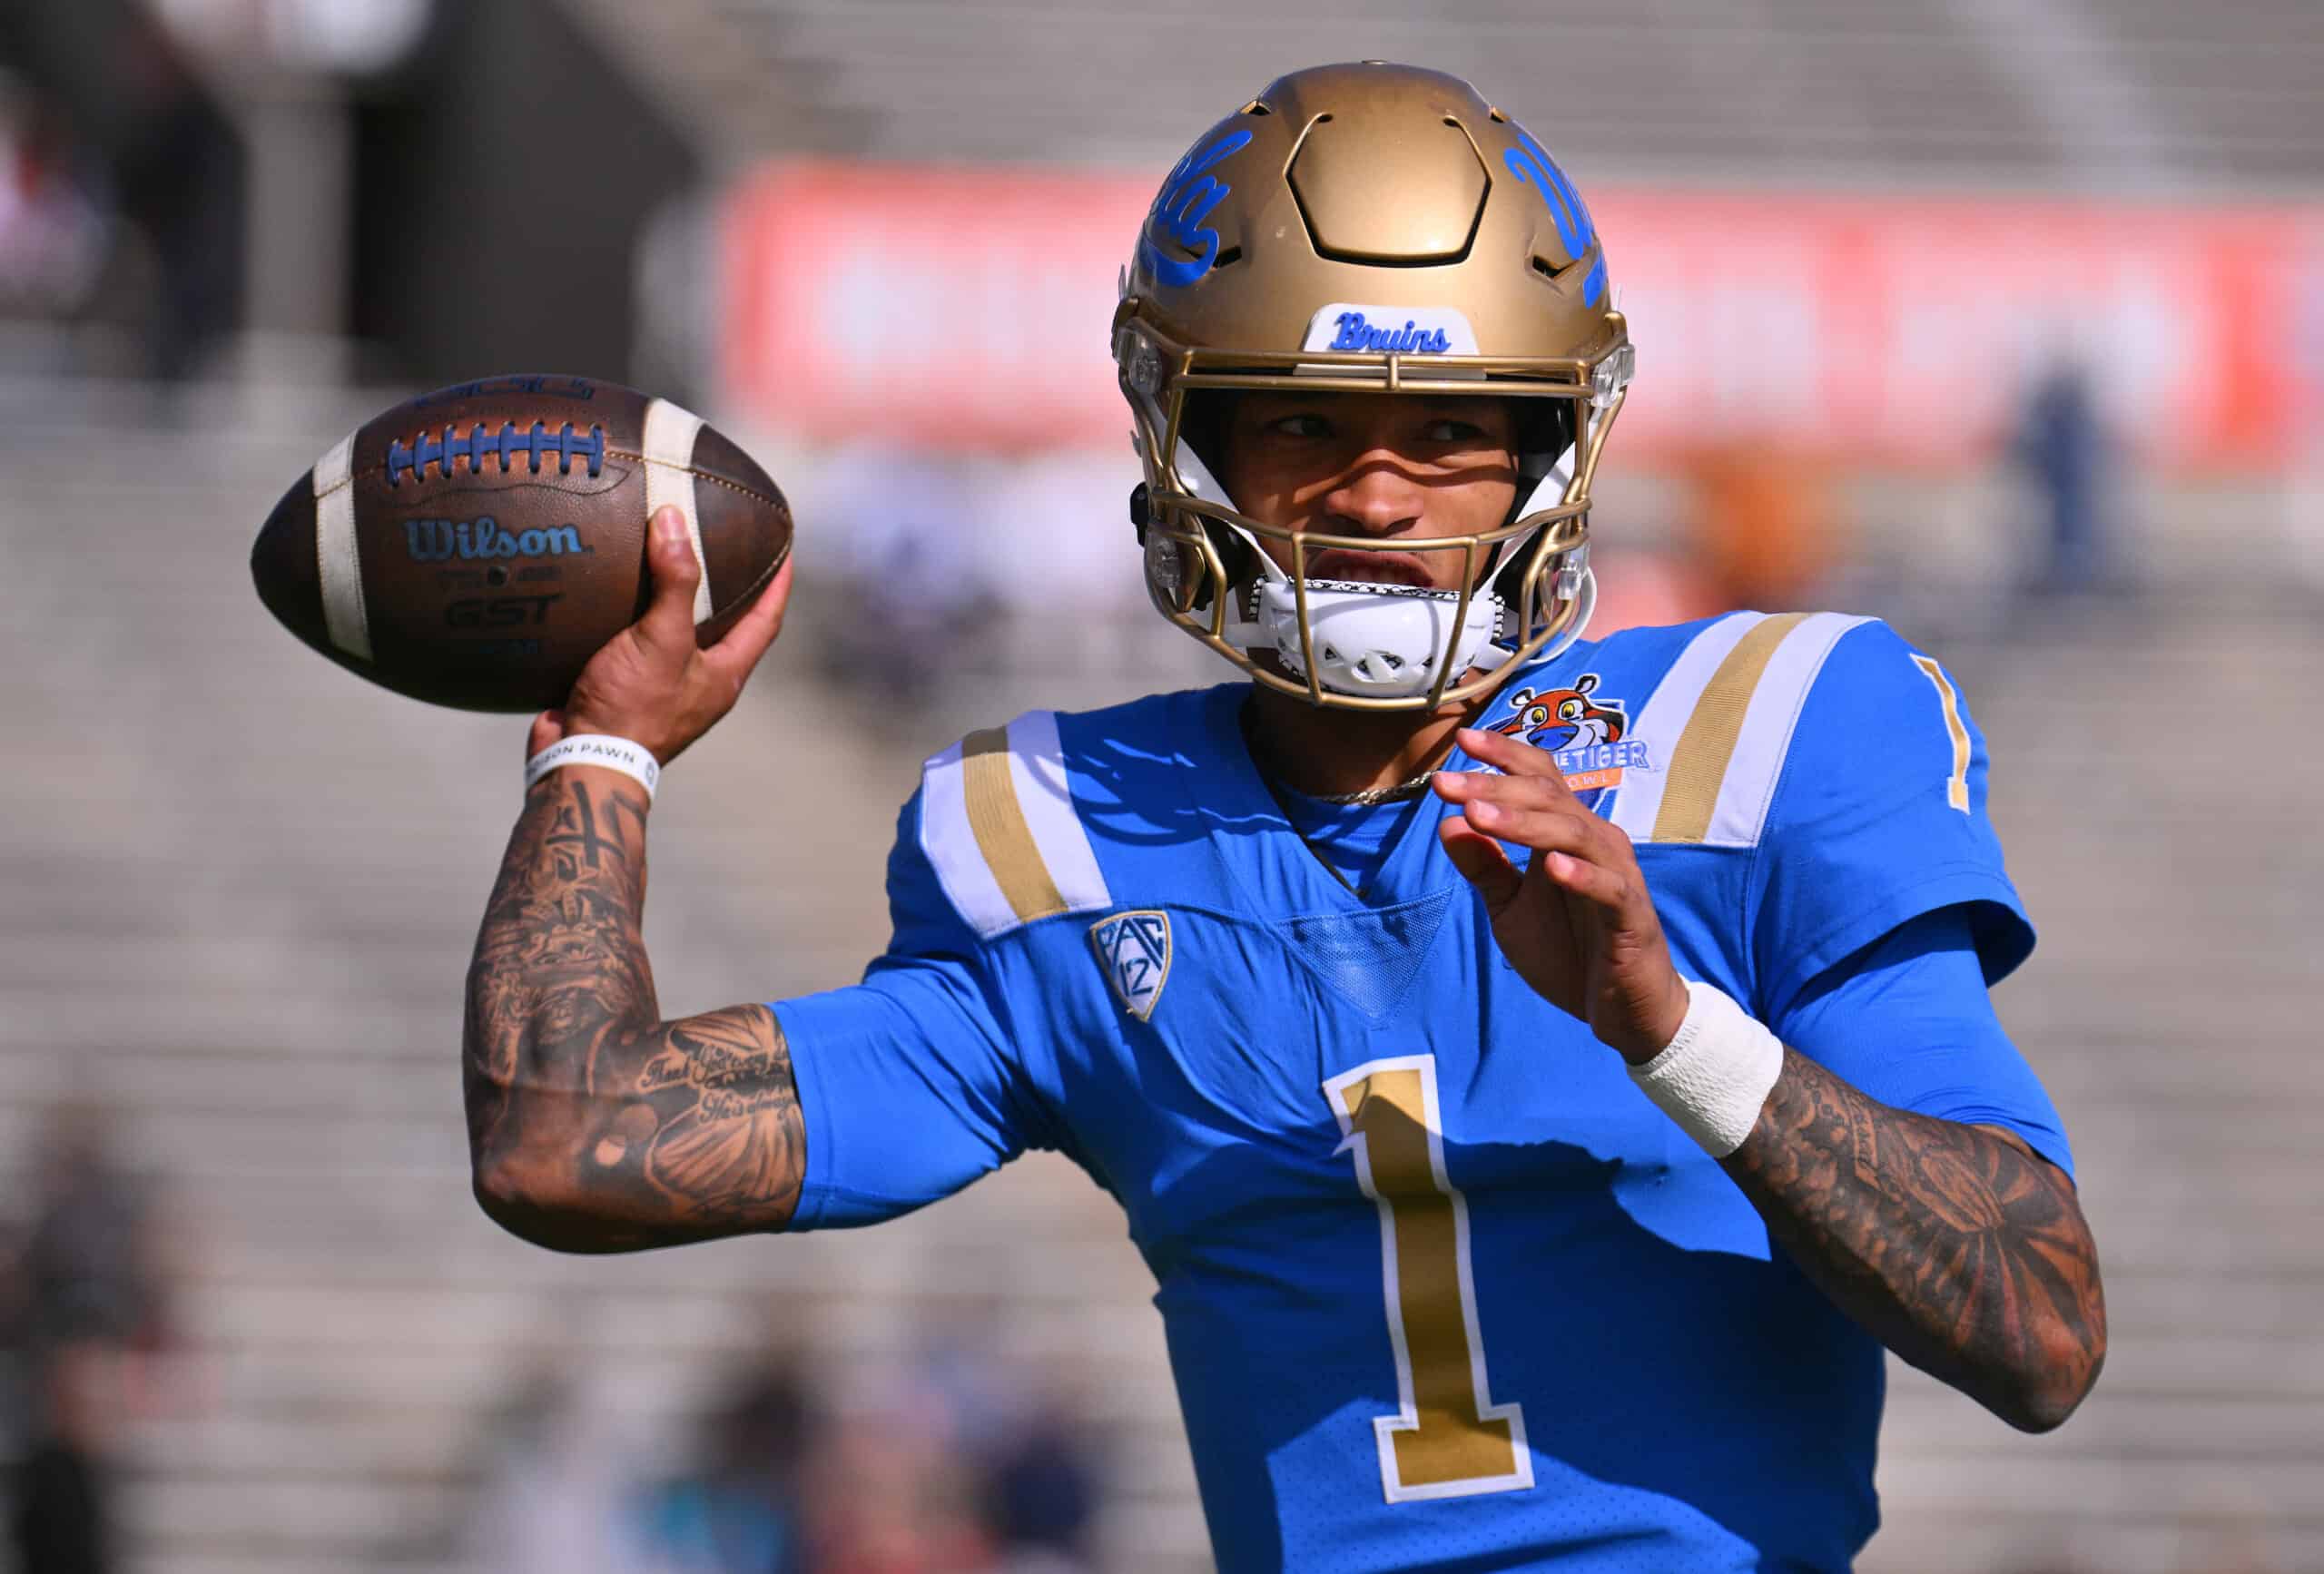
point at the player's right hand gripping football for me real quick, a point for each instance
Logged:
(650, 683)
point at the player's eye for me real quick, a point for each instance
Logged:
(1452, 431)
(1301, 426)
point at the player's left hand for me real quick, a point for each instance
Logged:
(1578, 923)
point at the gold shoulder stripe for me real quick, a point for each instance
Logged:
(998, 822)
(1698, 760)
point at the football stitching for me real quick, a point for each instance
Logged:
(748, 591)
(443, 453)
(706, 476)
(716, 480)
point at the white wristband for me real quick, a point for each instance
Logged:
(1714, 1077)
(633, 761)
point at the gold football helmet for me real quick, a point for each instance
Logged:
(1370, 228)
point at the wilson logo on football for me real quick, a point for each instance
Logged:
(441, 540)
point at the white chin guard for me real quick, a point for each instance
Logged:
(1381, 639)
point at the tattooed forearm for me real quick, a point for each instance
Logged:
(593, 1125)
(1962, 1250)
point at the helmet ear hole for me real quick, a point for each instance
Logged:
(1204, 421)
(1234, 552)
(1544, 428)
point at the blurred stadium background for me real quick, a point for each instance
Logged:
(2002, 318)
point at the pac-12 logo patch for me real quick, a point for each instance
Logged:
(1134, 947)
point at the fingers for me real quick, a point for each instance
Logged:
(1481, 861)
(734, 656)
(1574, 849)
(1520, 760)
(548, 728)
(1520, 809)
(669, 624)
(1593, 883)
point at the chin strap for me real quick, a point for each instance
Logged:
(1583, 595)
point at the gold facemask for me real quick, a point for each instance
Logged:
(1370, 229)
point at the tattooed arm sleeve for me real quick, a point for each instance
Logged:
(1960, 1248)
(1909, 1161)
(594, 1126)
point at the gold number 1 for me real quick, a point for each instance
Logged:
(1448, 1438)
(1956, 785)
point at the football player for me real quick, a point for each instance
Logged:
(1536, 1131)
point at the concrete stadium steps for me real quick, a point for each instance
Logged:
(1669, 84)
(242, 888)
(2140, 93)
(2157, 792)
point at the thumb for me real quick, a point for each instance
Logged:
(1481, 861)
(548, 728)
(668, 622)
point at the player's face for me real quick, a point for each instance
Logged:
(1390, 467)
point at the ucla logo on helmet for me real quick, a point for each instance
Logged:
(1531, 162)
(1134, 951)
(1188, 195)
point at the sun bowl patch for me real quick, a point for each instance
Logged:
(1134, 950)
(1583, 732)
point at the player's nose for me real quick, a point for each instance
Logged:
(1375, 497)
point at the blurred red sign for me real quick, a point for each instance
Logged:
(968, 309)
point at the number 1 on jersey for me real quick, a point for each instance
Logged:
(1956, 784)
(1447, 1440)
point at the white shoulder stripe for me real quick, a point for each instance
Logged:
(998, 827)
(1664, 718)
(337, 563)
(1037, 764)
(951, 847)
(670, 432)
(1740, 814)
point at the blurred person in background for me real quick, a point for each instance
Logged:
(1042, 1492)
(914, 598)
(53, 230)
(2061, 445)
(93, 1301)
(891, 1491)
(116, 86)
(555, 1480)
(1535, 1182)
(1037, 1473)
(735, 1509)
(1761, 528)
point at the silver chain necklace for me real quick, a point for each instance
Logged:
(1371, 795)
(1363, 799)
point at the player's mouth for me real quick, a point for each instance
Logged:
(1371, 567)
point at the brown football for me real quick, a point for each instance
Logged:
(475, 546)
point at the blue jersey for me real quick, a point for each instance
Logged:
(1442, 1289)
